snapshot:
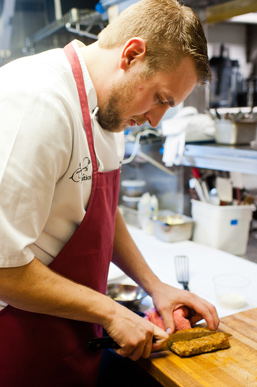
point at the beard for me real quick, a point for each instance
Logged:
(110, 115)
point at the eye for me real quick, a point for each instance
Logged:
(161, 101)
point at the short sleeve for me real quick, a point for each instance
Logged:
(39, 135)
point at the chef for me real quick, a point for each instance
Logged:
(63, 113)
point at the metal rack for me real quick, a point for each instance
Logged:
(79, 21)
(6, 28)
(220, 157)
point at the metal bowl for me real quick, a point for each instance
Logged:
(127, 295)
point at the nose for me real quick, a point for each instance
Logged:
(155, 114)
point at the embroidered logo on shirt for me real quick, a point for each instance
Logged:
(81, 172)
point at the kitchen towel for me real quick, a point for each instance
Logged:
(180, 318)
(186, 126)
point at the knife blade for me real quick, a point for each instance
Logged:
(107, 342)
(185, 336)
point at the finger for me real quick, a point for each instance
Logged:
(203, 308)
(158, 333)
(195, 319)
(147, 349)
(159, 345)
(160, 338)
(168, 320)
(214, 318)
(142, 348)
(209, 313)
(124, 352)
(138, 352)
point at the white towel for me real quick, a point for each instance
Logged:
(186, 125)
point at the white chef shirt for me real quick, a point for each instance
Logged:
(45, 164)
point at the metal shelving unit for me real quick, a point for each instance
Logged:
(79, 21)
(220, 157)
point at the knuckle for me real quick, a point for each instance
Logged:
(134, 357)
(213, 309)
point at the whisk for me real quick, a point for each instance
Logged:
(182, 270)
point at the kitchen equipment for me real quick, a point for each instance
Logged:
(214, 197)
(235, 367)
(235, 132)
(130, 201)
(221, 68)
(242, 114)
(203, 184)
(133, 188)
(172, 227)
(130, 216)
(107, 342)
(130, 296)
(147, 207)
(223, 227)
(231, 290)
(224, 188)
(195, 185)
(182, 270)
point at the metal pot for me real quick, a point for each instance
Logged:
(172, 227)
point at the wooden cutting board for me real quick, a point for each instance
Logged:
(232, 367)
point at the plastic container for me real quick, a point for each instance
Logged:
(133, 188)
(130, 201)
(130, 216)
(223, 227)
(231, 290)
(228, 132)
(147, 207)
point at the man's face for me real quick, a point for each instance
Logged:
(136, 100)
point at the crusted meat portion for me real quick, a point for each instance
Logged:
(204, 344)
(195, 329)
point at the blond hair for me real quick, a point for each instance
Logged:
(171, 32)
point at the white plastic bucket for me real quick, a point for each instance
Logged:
(223, 227)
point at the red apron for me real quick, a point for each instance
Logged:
(41, 350)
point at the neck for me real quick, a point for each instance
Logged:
(102, 65)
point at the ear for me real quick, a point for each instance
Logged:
(133, 49)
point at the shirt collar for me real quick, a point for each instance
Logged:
(90, 89)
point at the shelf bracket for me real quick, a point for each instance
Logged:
(77, 17)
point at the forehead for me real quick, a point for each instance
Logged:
(178, 83)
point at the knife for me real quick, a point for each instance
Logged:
(107, 342)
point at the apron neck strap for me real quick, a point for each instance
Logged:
(72, 57)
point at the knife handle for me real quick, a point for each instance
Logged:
(105, 342)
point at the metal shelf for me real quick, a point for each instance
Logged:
(72, 21)
(214, 156)
(220, 157)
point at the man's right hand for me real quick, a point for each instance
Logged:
(134, 334)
